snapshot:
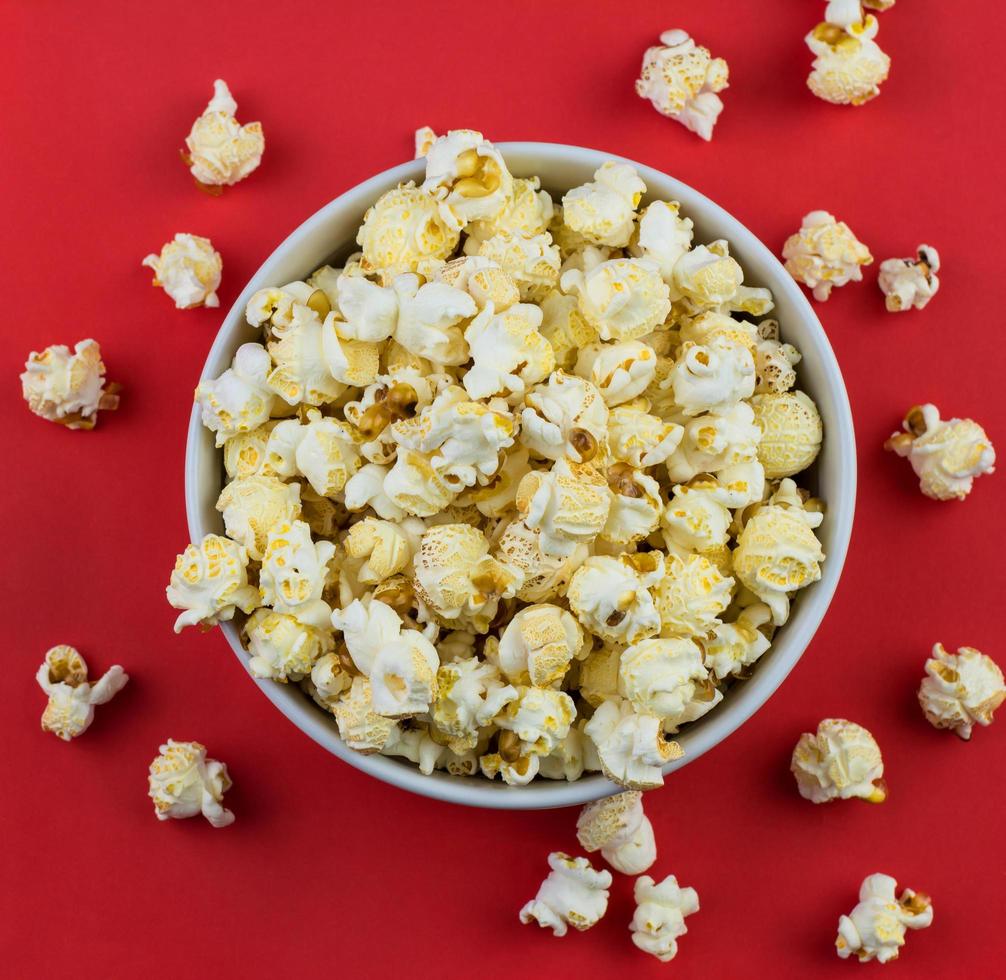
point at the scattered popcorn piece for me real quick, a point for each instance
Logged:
(63, 677)
(842, 760)
(681, 79)
(876, 927)
(825, 253)
(210, 583)
(603, 211)
(631, 747)
(240, 400)
(659, 919)
(425, 138)
(909, 284)
(573, 894)
(294, 573)
(184, 782)
(220, 150)
(468, 174)
(791, 432)
(68, 388)
(617, 827)
(188, 269)
(611, 596)
(946, 454)
(849, 66)
(961, 689)
(538, 645)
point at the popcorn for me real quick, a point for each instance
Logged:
(825, 253)
(617, 827)
(72, 698)
(538, 645)
(733, 647)
(659, 919)
(403, 676)
(184, 782)
(210, 583)
(220, 150)
(532, 261)
(240, 400)
(663, 237)
(253, 505)
(635, 507)
(566, 760)
(573, 894)
(599, 675)
(946, 454)
(621, 371)
(365, 488)
(603, 211)
(68, 388)
(412, 486)
(281, 647)
(564, 417)
(384, 549)
(842, 760)
(667, 678)
(849, 66)
(690, 595)
(508, 353)
(714, 443)
(611, 598)
(909, 284)
(470, 693)
(542, 575)
(639, 438)
(622, 299)
(366, 627)
(294, 573)
(539, 717)
(564, 327)
(245, 454)
(468, 174)
(791, 432)
(711, 378)
(429, 319)
(712, 325)
(774, 361)
(695, 521)
(630, 746)
(961, 689)
(360, 727)
(425, 138)
(877, 926)
(527, 212)
(681, 80)
(188, 269)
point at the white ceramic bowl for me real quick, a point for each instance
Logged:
(330, 233)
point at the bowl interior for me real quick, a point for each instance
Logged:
(329, 234)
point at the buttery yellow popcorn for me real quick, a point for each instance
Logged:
(532, 261)
(603, 211)
(538, 645)
(619, 371)
(825, 253)
(849, 66)
(253, 505)
(733, 647)
(382, 548)
(294, 573)
(640, 438)
(539, 717)
(542, 575)
(691, 595)
(695, 521)
(711, 378)
(72, 697)
(188, 269)
(68, 388)
(961, 690)
(774, 360)
(876, 927)
(184, 782)
(791, 432)
(573, 894)
(468, 174)
(527, 212)
(240, 400)
(565, 328)
(220, 150)
(840, 761)
(681, 80)
(360, 727)
(909, 284)
(659, 919)
(210, 583)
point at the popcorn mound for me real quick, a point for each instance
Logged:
(510, 492)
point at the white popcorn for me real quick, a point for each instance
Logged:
(527, 212)
(430, 319)
(366, 627)
(539, 717)
(566, 760)
(412, 486)
(631, 747)
(603, 211)
(564, 327)
(370, 310)
(708, 275)
(791, 432)
(252, 506)
(617, 827)
(220, 150)
(840, 761)
(403, 675)
(184, 782)
(909, 284)
(566, 416)
(599, 675)
(482, 279)
(664, 236)
(611, 596)
(72, 697)
(282, 648)
(188, 268)
(518, 771)
(712, 443)
(681, 80)
(620, 371)
(695, 521)
(639, 438)
(659, 919)
(542, 575)
(240, 400)
(382, 548)
(733, 647)
(425, 138)
(573, 894)
(961, 689)
(691, 595)
(635, 508)
(825, 253)
(712, 378)
(470, 693)
(538, 645)
(365, 488)
(276, 306)
(468, 174)
(360, 727)
(210, 583)
(508, 353)
(294, 573)
(849, 65)
(532, 261)
(68, 388)
(876, 927)
(946, 454)
(711, 325)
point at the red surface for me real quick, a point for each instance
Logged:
(326, 872)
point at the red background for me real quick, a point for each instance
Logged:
(327, 872)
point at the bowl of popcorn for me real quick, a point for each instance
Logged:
(512, 474)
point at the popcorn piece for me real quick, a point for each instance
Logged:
(72, 698)
(639, 438)
(631, 747)
(909, 284)
(664, 236)
(961, 689)
(327, 454)
(467, 173)
(188, 269)
(518, 771)
(690, 595)
(695, 521)
(532, 261)
(791, 432)
(210, 583)
(240, 400)
(184, 782)
(849, 66)
(281, 647)
(294, 573)
(825, 253)
(774, 361)
(876, 927)
(712, 378)
(659, 919)
(681, 79)
(635, 507)
(599, 675)
(470, 693)
(564, 327)
(253, 505)
(482, 279)
(384, 549)
(360, 727)
(735, 646)
(542, 575)
(539, 717)
(528, 212)
(412, 486)
(564, 417)
(538, 645)
(245, 454)
(946, 454)
(430, 317)
(712, 325)
(573, 894)
(566, 760)
(603, 211)
(713, 443)
(619, 371)
(617, 827)
(425, 138)
(68, 388)
(508, 353)
(842, 760)
(220, 150)
(365, 488)
(611, 598)
(403, 676)
(366, 627)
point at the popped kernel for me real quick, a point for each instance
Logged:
(849, 66)
(603, 211)
(840, 761)
(221, 151)
(961, 690)
(188, 269)
(825, 253)
(468, 175)
(184, 782)
(620, 372)
(791, 432)
(618, 828)
(283, 648)
(631, 747)
(909, 284)
(210, 583)
(538, 645)
(573, 894)
(612, 599)
(876, 927)
(240, 400)
(68, 388)
(659, 920)
(72, 697)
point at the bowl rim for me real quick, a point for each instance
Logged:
(744, 702)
